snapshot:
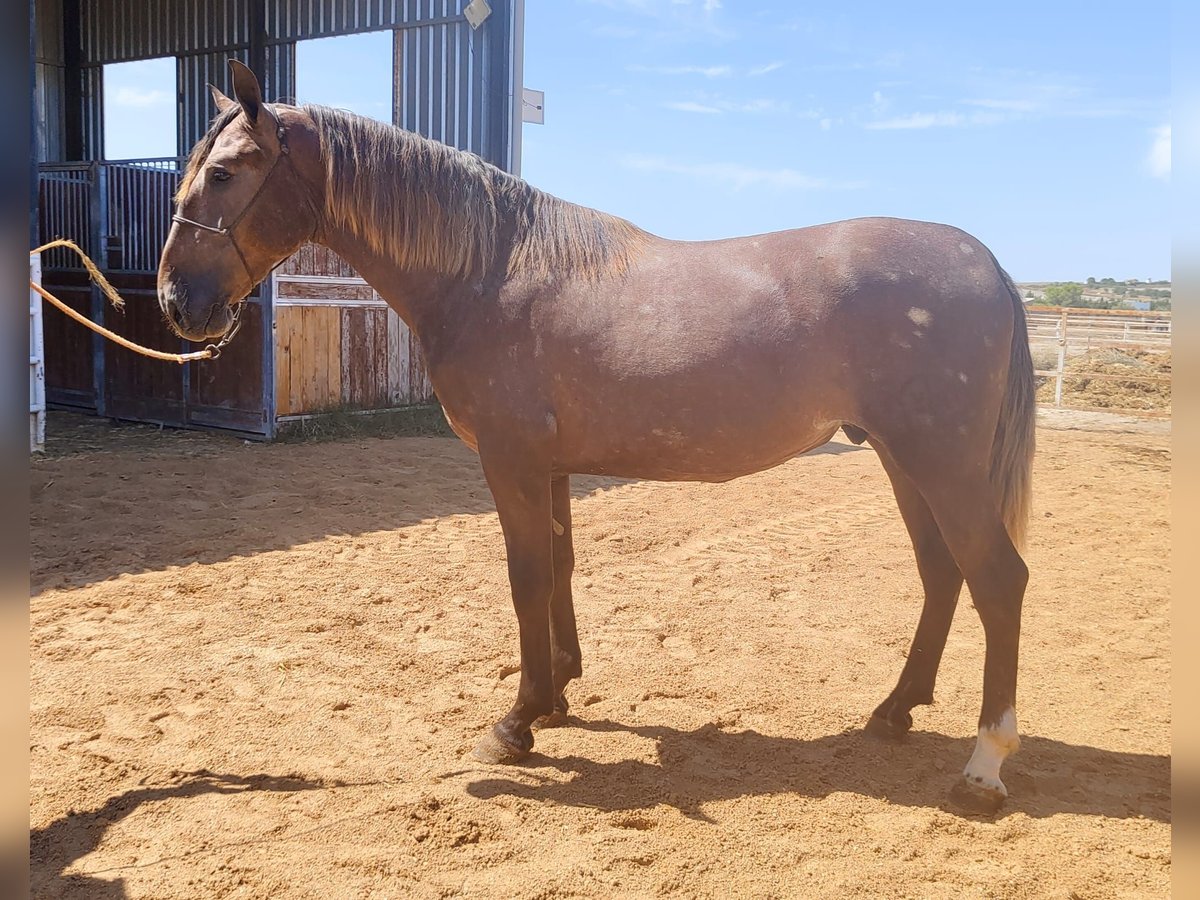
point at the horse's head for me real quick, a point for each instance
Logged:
(250, 197)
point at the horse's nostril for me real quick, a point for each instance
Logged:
(169, 302)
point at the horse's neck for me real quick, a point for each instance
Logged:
(417, 297)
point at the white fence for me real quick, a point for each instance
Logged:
(37, 363)
(1075, 331)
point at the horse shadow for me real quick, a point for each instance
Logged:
(707, 764)
(53, 848)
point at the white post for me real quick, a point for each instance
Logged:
(1062, 358)
(37, 365)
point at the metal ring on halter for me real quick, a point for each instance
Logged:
(214, 350)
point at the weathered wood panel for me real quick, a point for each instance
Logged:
(313, 259)
(399, 340)
(308, 368)
(408, 379)
(364, 357)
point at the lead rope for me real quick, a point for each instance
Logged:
(212, 351)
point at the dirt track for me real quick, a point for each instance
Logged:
(257, 671)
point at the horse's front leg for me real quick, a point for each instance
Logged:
(522, 493)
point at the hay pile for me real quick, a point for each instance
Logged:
(1080, 390)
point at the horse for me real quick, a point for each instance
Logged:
(561, 340)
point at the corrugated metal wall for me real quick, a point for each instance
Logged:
(452, 83)
(49, 65)
(195, 72)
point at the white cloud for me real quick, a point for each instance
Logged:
(722, 71)
(826, 124)
(764, 69)
(736, 175)
(1009, 105)
(761, 105)
(706, 71)
(1158, 160)
(918, 120)
(139, 98)
(689, 106)
(710, 104)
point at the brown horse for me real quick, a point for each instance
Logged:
(562, 340)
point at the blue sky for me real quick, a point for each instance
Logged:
(1038, 127)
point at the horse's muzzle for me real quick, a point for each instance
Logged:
(192, 320)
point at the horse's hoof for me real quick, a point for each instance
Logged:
(497, 749)
(888, 729)
(976, 799)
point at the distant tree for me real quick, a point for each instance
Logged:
(1091, 281)
(1029, 295)
(1108, 281)
(1064, 293)
(1161, 304)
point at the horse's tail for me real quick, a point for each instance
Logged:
(1012, 448)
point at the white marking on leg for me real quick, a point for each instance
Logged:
(995, 743)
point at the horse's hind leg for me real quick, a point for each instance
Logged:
(963, 504)
(565, 657)
(942, 582)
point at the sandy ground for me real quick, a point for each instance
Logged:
(257, 671)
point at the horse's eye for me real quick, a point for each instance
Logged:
(220, 175)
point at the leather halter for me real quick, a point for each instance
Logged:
(227, 230)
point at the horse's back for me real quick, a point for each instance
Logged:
(706, 360)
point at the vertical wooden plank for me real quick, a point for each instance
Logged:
(284, 401)
(379, 367)
(397, 348)
(316, 342)
(296, 348)
(305, 358)
(282, 405)
(286, 369)
(346, 354)
(332, 333)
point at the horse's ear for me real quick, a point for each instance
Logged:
(246, 89)
(223, 103)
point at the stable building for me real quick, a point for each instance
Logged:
(315, 337)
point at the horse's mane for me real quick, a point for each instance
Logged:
(427, 205)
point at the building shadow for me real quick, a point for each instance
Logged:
(187, 498)
(707, 764)
(151, 500)
(53, 848)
